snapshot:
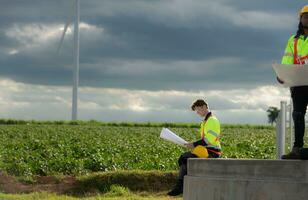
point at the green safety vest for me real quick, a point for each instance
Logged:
(210, 132)
(296, 52)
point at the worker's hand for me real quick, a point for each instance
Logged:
(190, 146)
(279, 80)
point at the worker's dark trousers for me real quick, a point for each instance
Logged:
(300, 100)
(183, 162)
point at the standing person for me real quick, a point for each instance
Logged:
(207, 147)
(296, 52)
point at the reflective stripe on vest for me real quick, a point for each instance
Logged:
(298, 60)
(210, 144)
(289, 54)
(295, 51)
(211, 132)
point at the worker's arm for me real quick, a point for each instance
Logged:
(190, 145)
(288, 57)
(199, 142)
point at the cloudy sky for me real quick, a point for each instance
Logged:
(144, 60)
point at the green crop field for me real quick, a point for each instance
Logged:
(28, 149)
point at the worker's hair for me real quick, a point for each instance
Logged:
(300, 30)
(198, 103)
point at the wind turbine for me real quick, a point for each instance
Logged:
(76, 56)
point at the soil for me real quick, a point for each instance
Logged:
(9, 184)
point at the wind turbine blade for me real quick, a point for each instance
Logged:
(63, 34)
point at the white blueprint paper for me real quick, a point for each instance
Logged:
(172, 137)
(292, 75)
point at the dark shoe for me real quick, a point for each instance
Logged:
(177, 190)
(294, 154)
(304, 153)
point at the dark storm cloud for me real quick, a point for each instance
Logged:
(34, 10)
(264, 5)
(142, 45)
(156, 41)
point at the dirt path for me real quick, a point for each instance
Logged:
(9, 184)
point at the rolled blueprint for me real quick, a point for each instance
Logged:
(172, 137)
(292, 75)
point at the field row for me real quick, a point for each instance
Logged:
(27, 150)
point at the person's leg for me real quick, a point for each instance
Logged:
(178, 188)
(299, 111)
(184, 157)
(299, 98)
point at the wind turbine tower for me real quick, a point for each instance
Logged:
(76, 61)
(76, 56)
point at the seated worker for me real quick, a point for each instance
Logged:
(207, 147)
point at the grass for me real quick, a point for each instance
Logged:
(134, 184)
(29, 150)
(122, 124)
(105, 156)
(135, 180)
(117, 192)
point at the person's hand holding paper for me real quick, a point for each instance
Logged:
(190, 145)
(291, 75)
(172, 137)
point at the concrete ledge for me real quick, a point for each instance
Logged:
(228, 179)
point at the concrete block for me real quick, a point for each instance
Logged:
(228, 179)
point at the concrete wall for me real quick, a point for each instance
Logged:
(233, 179)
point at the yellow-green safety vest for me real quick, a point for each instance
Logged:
(299, 50)
(210, 132)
